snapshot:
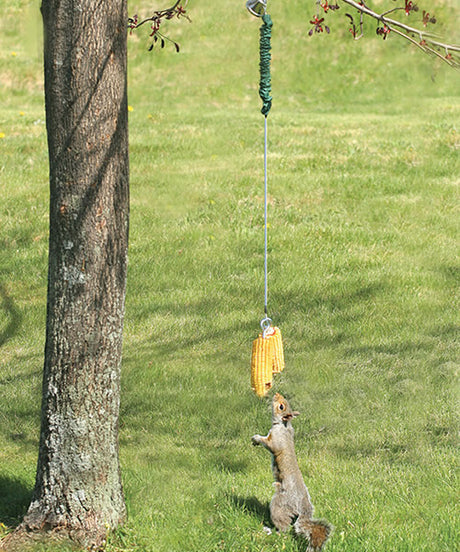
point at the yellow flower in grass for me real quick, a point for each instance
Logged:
(130, 108)
(21, 113)
(2, 135)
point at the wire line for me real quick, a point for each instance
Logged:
(265, 216)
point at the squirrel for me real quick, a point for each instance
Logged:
(291, 503)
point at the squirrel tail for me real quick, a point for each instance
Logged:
(314, 530)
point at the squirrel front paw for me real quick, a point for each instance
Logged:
(256, 440)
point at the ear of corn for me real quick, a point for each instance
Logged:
(267, 359)
(261, 365)
(278, 352)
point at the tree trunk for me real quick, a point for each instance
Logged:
(78, 487)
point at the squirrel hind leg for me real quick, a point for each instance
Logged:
(315, 531)
(281, 514)
(281, 519)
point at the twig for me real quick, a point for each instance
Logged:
(427, 42)
(176, 10)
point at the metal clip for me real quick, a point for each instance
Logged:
(265, 324)
(257, 7)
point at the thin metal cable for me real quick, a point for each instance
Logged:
(265, 216)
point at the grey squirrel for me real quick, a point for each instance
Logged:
(291, 503)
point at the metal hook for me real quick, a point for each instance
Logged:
(257, 7)
(265, 324)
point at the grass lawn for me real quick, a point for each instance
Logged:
(363, 256)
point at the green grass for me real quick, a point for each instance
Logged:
(364, 172)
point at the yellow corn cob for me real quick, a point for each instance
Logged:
(261, 365)
(278, 352)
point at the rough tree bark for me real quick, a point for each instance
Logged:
(78, 487)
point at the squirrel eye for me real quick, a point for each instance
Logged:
(281, 406)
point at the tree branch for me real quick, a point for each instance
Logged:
(447, 52)
(176, 10)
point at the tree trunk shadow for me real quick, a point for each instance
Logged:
(15, 318)
(15, 497)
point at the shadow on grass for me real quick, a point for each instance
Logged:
(253, 506)
(13, 314)
(261, 511)
(386, 452)
(15, 498)
(341, 305)
(227, 465)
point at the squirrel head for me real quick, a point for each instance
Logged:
(281, 410)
